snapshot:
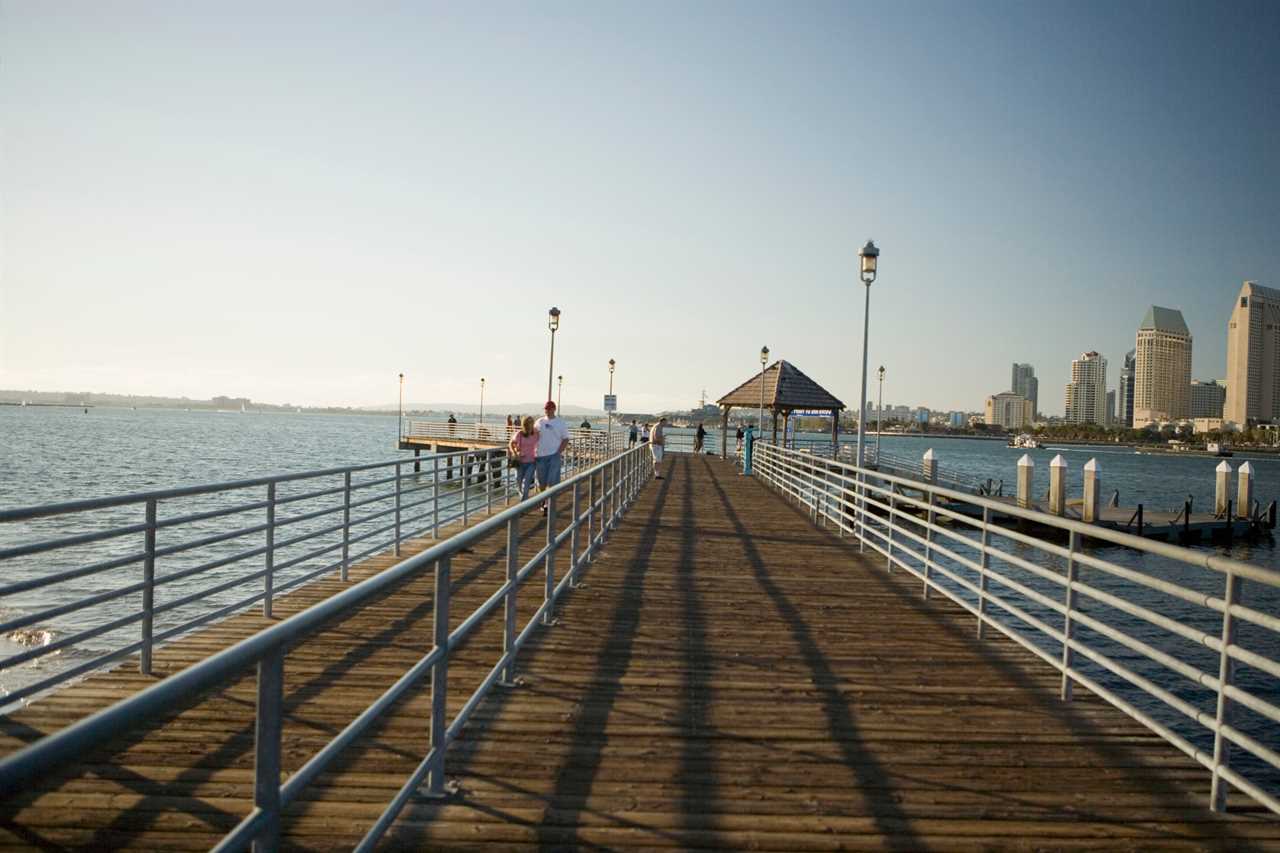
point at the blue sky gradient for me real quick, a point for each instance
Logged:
(297, 201)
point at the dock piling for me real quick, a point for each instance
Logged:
(1092, 490)
(1057, 485)
(929, 467)
(1026, 467)
(1244, 490)
(1222, 487)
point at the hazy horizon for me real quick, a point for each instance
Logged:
(301, 201)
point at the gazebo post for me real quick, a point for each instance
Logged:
(835, 433)
(774, 410)
(724, 432)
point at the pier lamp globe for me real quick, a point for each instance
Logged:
(869, 258)
(764, 359)
(553, 323)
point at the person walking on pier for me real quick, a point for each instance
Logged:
(698, 438)
(553, 438)
(524, 447)
(634, 435)
(644, 434)
(741, 436)
(657, 444)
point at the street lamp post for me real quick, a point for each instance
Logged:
(553, 323)
(868, 256)
(609, 429)
(400, 417)
(879, 410)
(481, 399)
(764, 358)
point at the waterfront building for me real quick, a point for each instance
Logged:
(1214, 425)
(957, 420)
(1087, 391)
(1207, 399)
(1111, 408)
(1253, 356)
(1124, 395)
(1009, 410)
(1162, 368)
(1026, 385)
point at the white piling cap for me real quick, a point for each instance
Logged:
(1224, 468)
(1058, 462)
(928, 455)
(1026, 461)
(1092, 466)
(1246, 469)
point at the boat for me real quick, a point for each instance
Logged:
(1218, 449)
(1025, 441)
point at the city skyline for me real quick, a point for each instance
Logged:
(409, 189)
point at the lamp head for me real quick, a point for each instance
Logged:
(881, 372)
(553, 319)
(764, 355)
(868, 256)
(611, 365)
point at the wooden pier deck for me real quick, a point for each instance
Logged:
(729, 676)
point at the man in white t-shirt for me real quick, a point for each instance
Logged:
(658, 444)
(553, 438)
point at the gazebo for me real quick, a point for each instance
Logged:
(786, 390)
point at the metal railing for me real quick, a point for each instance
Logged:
(609, 488)
(1168, 638)
(96, 581)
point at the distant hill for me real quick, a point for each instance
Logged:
(490, 409)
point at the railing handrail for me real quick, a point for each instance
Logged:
(24, 513)
(42, 757)
(909, 533)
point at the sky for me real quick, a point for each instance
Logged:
(295, 202)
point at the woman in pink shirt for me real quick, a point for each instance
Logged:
(524, 447)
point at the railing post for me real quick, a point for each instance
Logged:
(440, 677)
(268, 580)
(893, 507)
(435, 497)
(1226, 676)
(604, 501)
(573, 538)
(488, 481)
(550, 587)
(510, 602)
(149, 590)
(346, 524)
(591, 517)
(466, 487)
(983, 558)
(398, 496)
(1068, 624)
(928, 539)
(266, 769)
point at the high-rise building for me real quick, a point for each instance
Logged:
(1124, 395)
(1111, 408)
(1087, 390)
(1253, 356)
(1009, 410)
(1162, 368)
(1207, 399)
(1026, 385)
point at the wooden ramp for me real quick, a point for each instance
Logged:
(730, 676)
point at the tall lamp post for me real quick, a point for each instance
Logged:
(559, 388)
(879, 410)
(553, 323)
(608, 446)
(868, 256)
(400, 417)
(481, 399)
(764, 358)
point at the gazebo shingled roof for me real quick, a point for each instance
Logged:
(786, 388)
